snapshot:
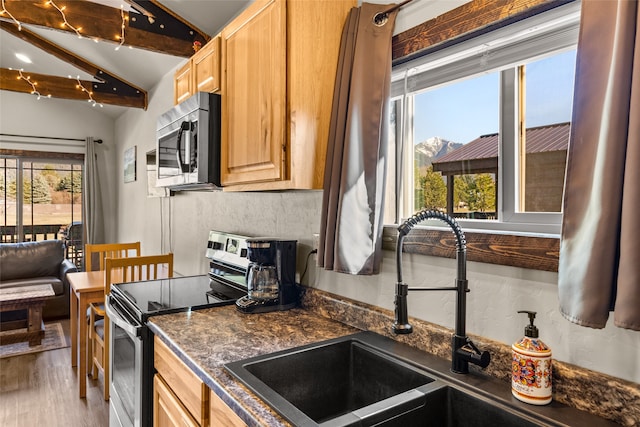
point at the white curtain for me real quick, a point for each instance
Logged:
(599, 270)
(93, 213)
(355, 171)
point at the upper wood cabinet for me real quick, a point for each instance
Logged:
(254, 95)
(182, 85)
(206, 67)
(279, 62)
(201, 73)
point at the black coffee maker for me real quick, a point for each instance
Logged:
(271, 276)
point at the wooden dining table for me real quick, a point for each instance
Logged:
(87, 287)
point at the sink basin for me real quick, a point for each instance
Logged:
(315, 384)
(451, 407)
(350, 381)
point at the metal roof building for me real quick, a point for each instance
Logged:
(546, 148)
(481, 154)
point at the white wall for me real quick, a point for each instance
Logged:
(24, 114)
(496, 294)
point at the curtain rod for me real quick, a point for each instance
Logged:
(99, 141)
(381, 18)
(397, 6)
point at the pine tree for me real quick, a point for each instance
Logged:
(477, 191)
(12, 190)
(38, 192)
(69, 184)
(434, 190)
(486, 191)
(51, 175)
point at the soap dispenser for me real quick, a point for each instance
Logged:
(531, 366)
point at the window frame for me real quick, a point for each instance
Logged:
(537, 234)
(25, 156)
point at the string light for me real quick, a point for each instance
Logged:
(64, 18)
(4, 10)
(33, 85)
(89, 94)
(121, 28)
(66, 23)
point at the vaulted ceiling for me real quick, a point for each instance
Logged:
(106, 52)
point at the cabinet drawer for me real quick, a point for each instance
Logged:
(191, 391)
(167, 409)
(222, 415)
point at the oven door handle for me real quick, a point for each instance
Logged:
(117, 316)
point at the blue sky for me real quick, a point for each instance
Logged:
(465, 110)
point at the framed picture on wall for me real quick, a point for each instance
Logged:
(130, 164)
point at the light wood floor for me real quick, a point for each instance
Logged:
(41, 389)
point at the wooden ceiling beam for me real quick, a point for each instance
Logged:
(165, 34)
(469, 20)
(156, 8)
(108, 83)
(62, 87)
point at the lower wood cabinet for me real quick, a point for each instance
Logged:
(221, 415)
(180, 398)
(179, 380)
(168, 411)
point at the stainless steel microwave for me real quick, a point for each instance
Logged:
(188, 144)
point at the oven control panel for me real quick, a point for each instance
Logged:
(229, 249)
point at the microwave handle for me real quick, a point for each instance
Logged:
(184, 126)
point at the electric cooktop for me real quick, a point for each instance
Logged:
(163, 296)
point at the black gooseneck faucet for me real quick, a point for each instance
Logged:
(463, 350)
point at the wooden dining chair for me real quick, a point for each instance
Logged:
(120, 270)
(107, 250)
(94, 259)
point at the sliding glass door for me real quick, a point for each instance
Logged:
(42, 199)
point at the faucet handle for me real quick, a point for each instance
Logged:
(481, 359)
(470, 353)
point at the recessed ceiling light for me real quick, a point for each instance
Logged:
(24, 58)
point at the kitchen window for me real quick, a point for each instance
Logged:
(484, 126)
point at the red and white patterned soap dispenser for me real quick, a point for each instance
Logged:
(531, 366)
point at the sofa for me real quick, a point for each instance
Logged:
(38, 263)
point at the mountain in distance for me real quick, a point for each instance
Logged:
(431, 149)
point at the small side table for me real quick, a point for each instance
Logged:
(31, 298)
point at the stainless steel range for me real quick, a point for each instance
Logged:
(131, 304)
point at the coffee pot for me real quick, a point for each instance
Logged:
(270, 276)
(262, 282)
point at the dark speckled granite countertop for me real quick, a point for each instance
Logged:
(207, 339)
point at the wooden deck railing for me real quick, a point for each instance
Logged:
(9, 234)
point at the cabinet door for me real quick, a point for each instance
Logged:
(221, 415)
(193, 393)
(167, 409)
(206, 67)
(254, 105)
(182, 83)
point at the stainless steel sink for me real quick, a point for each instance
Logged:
(353, 381)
